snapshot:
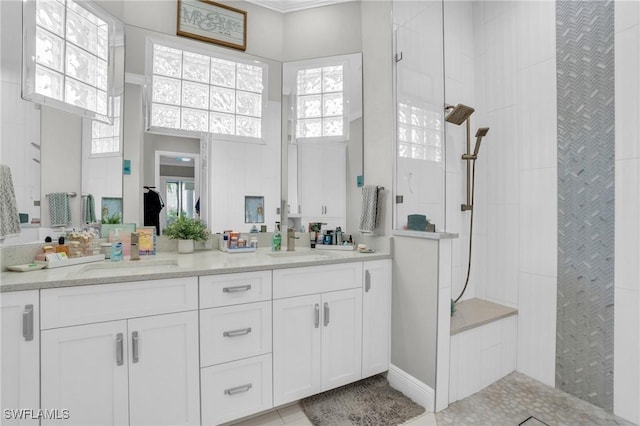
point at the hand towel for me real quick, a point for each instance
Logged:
(89, 209)
(9, 218)
(369, 210)
(59, 209)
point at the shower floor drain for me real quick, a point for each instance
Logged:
(532, 421)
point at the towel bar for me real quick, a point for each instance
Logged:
(70, 194)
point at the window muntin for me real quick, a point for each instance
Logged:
(320, 102)
(68, 56)
(419, 133)
(194, 92)
(105, 138)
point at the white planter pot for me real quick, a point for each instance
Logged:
(185, 246)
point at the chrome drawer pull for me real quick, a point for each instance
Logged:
(237, 288)
(238, 389)
(119, 349)
(27, 323)
(367, 281)
(239, 332)
(326, 314)
(135, 351)
(316, 322)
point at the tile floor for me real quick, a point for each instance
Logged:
(508, 402)
(292, 415)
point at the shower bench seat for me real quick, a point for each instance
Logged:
(475, 312)
(483, 346)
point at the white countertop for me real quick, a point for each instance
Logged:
(174, 265)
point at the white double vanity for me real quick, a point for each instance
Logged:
(190, 339)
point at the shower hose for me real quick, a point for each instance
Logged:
(473, 190)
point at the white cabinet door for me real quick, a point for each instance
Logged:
(335, 180)
(322, 175)
(296, 348)
(311, 179)
(341, 338)
(376, 326)
(20, 355)
(84, 371)
(164, 370)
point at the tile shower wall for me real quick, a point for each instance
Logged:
(586, 146)
(515, 241)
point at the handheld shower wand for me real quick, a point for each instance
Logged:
(459, 115)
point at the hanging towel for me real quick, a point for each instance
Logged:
(369, 212)
(9, 218)
(59, 209)
(89, 209)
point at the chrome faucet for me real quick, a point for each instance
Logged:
(291, 239)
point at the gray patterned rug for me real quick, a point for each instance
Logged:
(369, 402)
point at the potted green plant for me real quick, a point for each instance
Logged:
(186, 230)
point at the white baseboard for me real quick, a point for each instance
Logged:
(413, 388)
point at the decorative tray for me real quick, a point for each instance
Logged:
(241, 250)
(26, 267)
(73, 261)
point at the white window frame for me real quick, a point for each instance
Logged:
(195, 47)
(346, 98)
(115, 66)
(87, 133)
(437, 150)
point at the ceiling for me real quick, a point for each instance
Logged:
(285, 6)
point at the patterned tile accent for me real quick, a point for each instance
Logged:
(586, 143)
(516, 397)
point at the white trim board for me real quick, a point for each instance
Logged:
(413, 388)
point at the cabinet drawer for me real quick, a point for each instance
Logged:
(316, 279)
(234, 332)
(233, 289)
(61, 307)
(236, 389)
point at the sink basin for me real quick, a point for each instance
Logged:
(107, 269)
(298, 255)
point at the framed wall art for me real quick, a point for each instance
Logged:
(212, 22)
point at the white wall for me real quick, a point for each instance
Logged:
(313, 33)
(627, 226)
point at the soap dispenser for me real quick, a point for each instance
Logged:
(276, 241)
(116, 247)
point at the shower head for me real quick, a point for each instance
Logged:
(482, 132)
(459, 114)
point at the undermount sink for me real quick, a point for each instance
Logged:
(310, 254)
(129, 267)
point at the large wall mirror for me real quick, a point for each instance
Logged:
(62, 152)
(322, 112)
(49, 147)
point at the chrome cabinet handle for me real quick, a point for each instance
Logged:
(135, 347)
(239, 332)
(27, 323)
(119, 349)
(367, 281)
(326, 314)
(317, 313)
(238, 389)
(237, 288)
